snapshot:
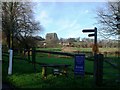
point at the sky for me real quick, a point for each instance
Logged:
(67, 19)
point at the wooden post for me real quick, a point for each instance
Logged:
(65, 70)
(48, 54)
(99, 70)
(44, 74)
(34, 58)
(29, 54)
(95, 56)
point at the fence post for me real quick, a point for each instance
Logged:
(29, 54)
(34, 58)
(10, 61)
(99, 72)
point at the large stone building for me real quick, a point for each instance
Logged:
(51, 40)
(52, 37)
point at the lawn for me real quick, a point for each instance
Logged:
(24, 76)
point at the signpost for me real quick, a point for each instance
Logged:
(96, 66)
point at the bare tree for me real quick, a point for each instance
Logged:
(18, 22)
(106, 18)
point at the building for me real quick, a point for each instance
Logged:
(52, 37)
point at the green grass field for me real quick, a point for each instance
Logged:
(24, 77)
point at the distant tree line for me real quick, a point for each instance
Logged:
(88, 43)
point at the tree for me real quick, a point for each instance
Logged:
(18, 22)
(106, 17)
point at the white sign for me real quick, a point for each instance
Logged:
(0, 51)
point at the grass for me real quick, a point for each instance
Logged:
(35, 81)
(24, 77)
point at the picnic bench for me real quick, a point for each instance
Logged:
(56, 69)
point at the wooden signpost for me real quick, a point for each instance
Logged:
(98, 65)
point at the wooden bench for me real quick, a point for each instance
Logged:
(56, 69)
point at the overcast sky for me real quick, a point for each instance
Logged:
(67, 19)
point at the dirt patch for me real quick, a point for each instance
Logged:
(68, 49)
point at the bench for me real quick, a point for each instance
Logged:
(56, 69)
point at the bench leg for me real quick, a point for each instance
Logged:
(44, 74)
(65, 71)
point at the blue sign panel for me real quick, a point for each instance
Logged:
(79, 64)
